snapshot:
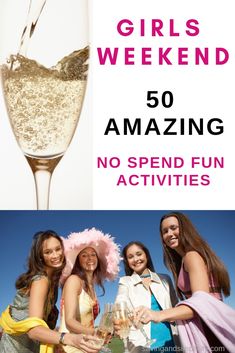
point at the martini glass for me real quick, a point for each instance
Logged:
(44, 76)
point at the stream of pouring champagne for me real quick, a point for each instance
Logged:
(35, 10)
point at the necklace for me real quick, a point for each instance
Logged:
(145, 276)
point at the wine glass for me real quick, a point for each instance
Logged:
(120, 315)
(130, 311)
(105, 329)
(44, 76)
(139, 326)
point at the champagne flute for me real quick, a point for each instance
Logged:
(105, 329)
(140, 327)
(131, 316)
(120, 315)
(44, 79)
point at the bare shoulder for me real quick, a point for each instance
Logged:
(39, 286)
(193, 259)
(73, 281)
(40, 280)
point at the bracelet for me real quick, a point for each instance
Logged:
(61, 340)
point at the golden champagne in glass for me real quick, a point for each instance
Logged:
(44, 82)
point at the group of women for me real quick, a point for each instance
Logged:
(199, 322)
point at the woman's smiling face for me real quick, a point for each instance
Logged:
(52, 253)
(136, 258)
(88, 259)
(170, 232)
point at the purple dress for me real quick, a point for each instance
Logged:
(213, 325)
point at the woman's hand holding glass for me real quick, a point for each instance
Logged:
(136, 320)
(144, 315)
(133, 320)
(121, 319)
(89, 344)
(121, 322)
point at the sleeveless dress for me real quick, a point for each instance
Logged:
(184, 285)
(19, 311)
(87, 311)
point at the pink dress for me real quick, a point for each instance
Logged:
(184, 285)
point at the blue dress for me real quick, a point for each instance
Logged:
(160, 331)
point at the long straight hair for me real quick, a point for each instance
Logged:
(97, 275)
(191, 240)
(36, 264)
(128, 270)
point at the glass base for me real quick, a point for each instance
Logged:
(149, 342)
(105, 349)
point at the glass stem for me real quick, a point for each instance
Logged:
(42, 170)
(42, 180)
(125, 345)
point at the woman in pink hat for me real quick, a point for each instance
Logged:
(91, 258)
(29, 322)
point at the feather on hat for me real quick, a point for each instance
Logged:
(107, 250)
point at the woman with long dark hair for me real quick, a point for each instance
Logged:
(205, 322)
(91, 258)
(143, 285)
(33, 314)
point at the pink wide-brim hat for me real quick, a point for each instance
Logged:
(107, 250)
